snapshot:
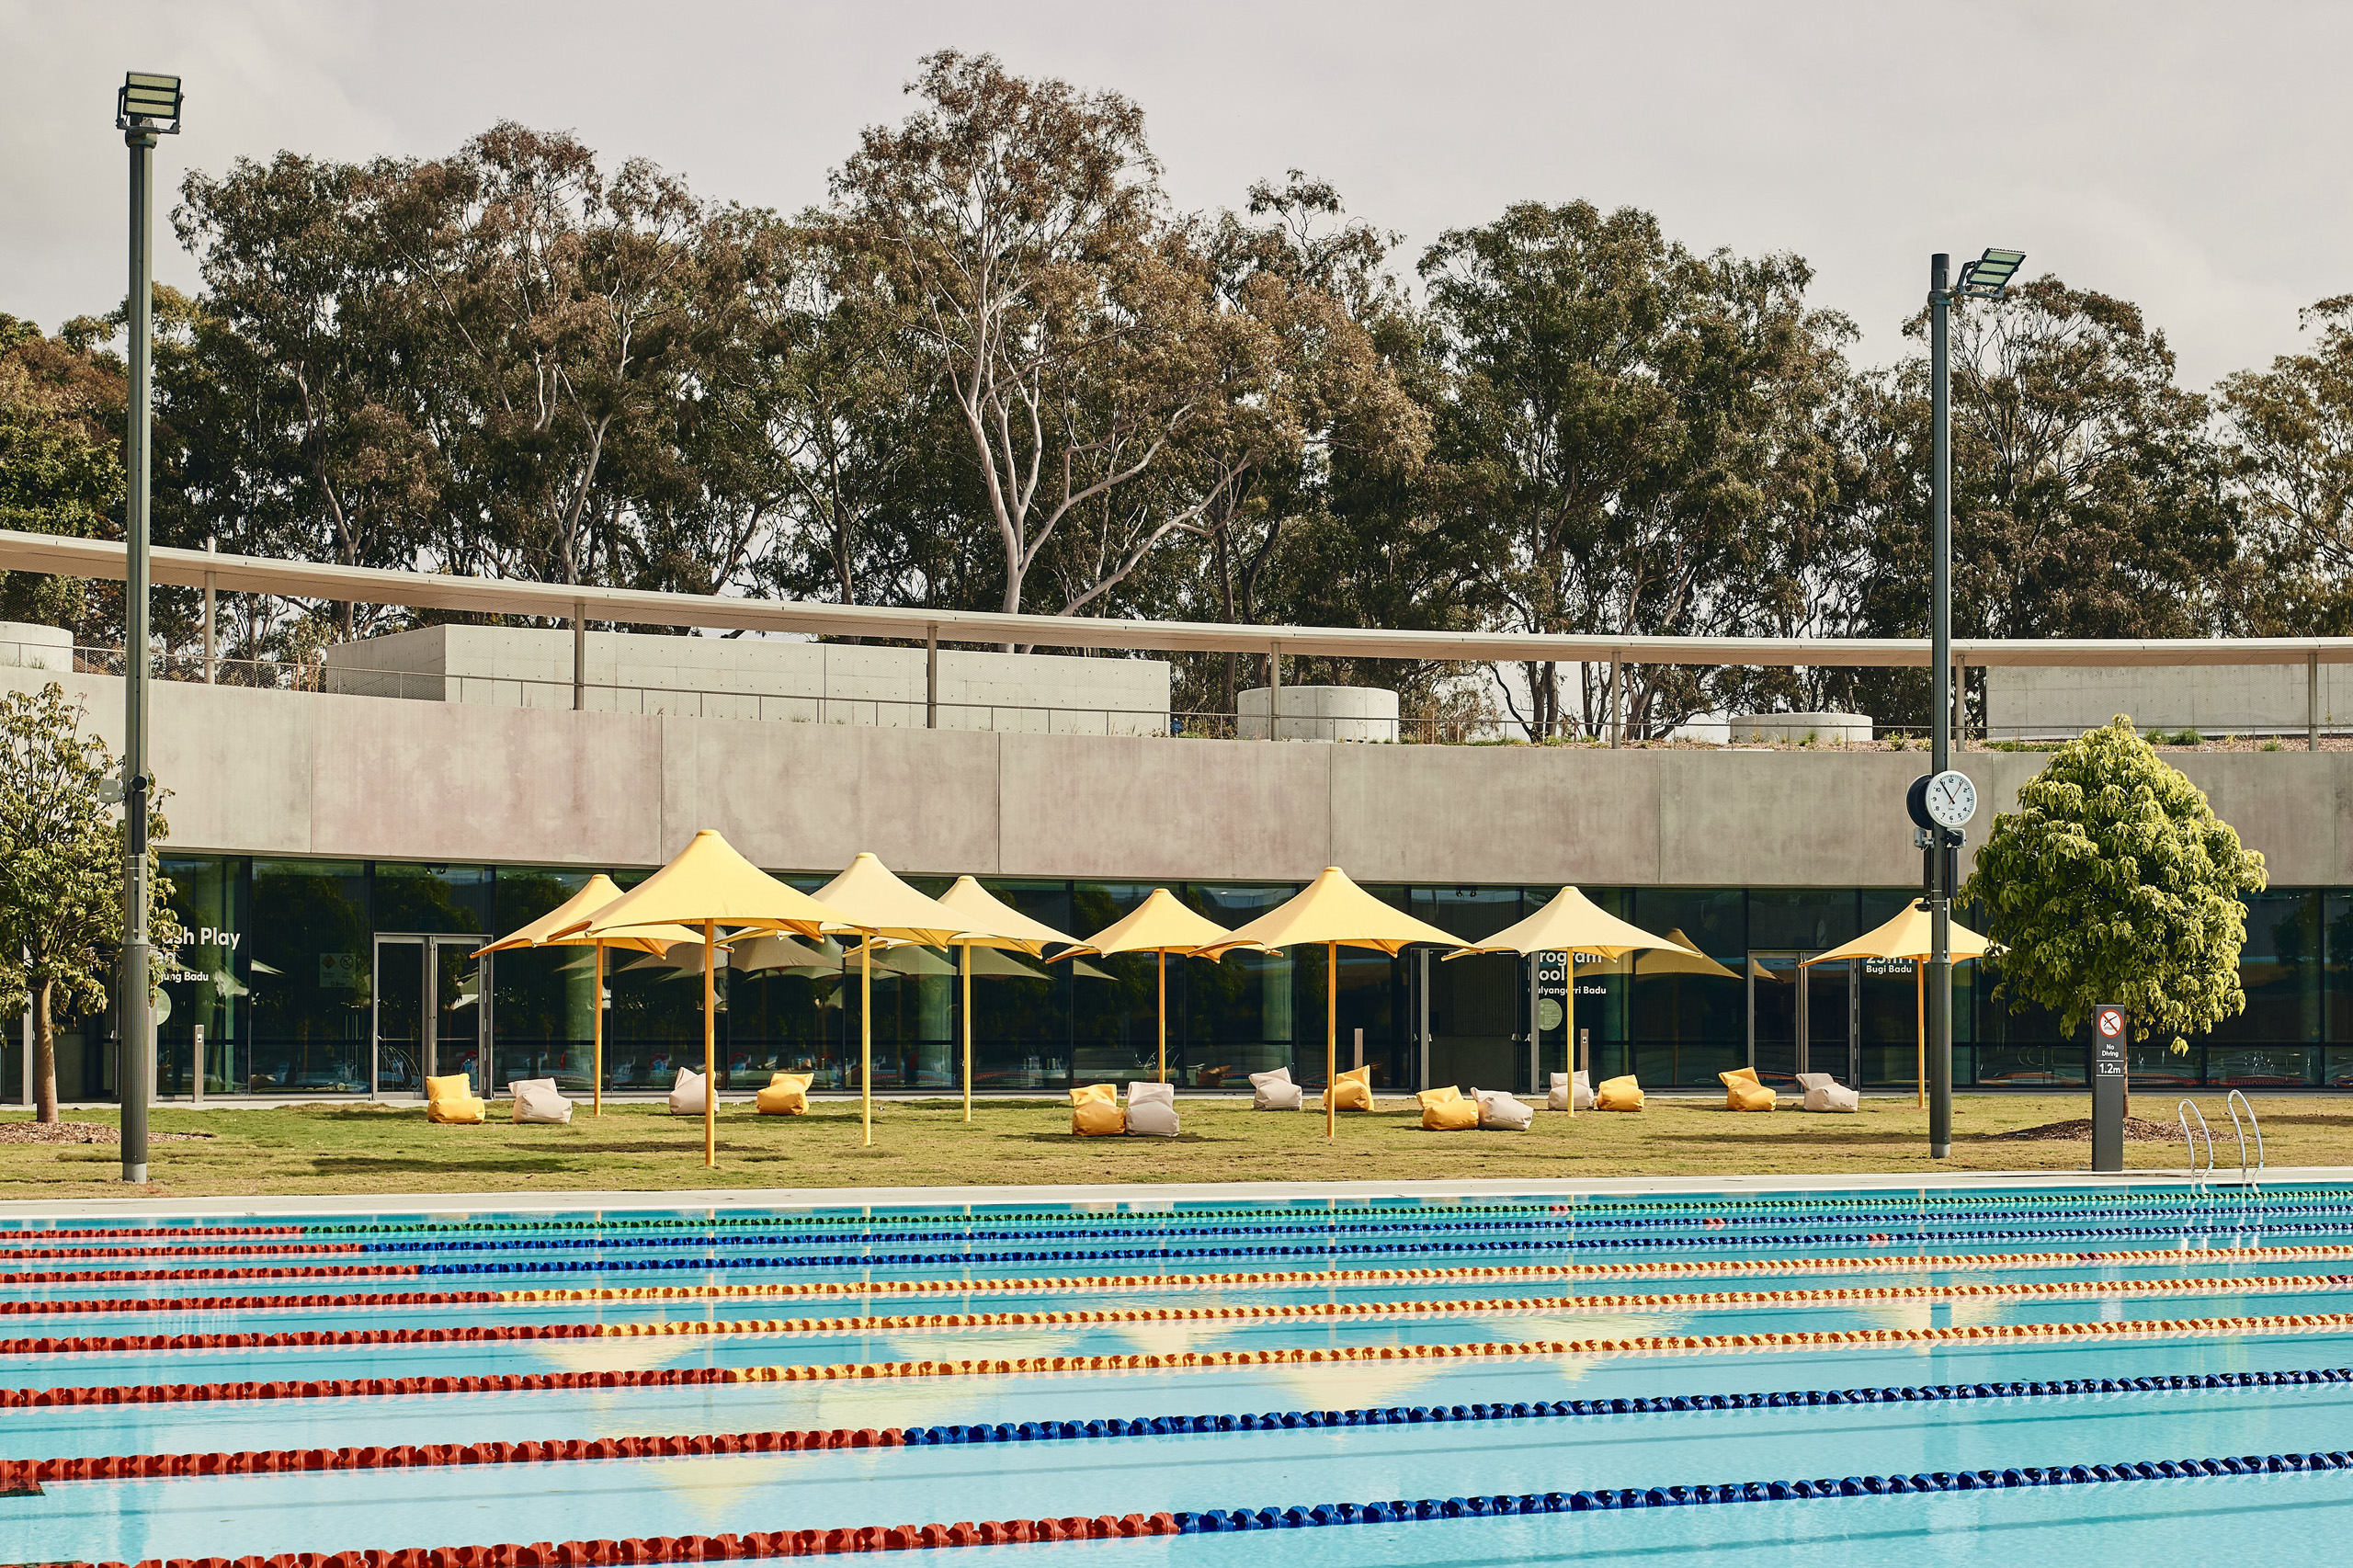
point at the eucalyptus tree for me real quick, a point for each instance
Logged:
(2291, 432)
(1628, 423)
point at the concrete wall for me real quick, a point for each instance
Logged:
(269, 772)
(1316, 714)
(760, 678)
(2215, 699)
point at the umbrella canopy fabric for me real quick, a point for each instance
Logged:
(1690, 959)
(1572, 923)
(568, 917)
(1908, 936)
(1332, 911)
(1159, 924)
(990, 913)
(871, 898)
(710, 884)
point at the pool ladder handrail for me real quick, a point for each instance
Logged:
(2236, 1099)
(2190, 1137)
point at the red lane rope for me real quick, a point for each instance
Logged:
(273, 1250)
(142, 1275)
(704, 1547)
(20, 1475)
(251, 1303)
(1359, 1311)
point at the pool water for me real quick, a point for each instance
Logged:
(1831, 1378)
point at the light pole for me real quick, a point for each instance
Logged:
(1984, 278)
(147, 107)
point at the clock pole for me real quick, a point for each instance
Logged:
(1941, 860)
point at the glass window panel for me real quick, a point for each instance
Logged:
(310, 975)
(1477, 1005)
(2252, 1067)
(1022, 1027)
(1691, 1018)
(2280, 968)
(1810, 919)
(1240, 1012)
(2339, 909)
(543, 1008)
(205, 984)
(432, 897)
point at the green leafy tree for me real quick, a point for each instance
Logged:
(2292, 433)
(60, 457)
(2115, 881)
(61, 874)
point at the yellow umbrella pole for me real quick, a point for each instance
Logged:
(597, 1083)
(709, 1049)
(1920, 1069)
(866, 1035)
(1163, 956)
(1569, 1022)
(1331, 1039)
(966, 950)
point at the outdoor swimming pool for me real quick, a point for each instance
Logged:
(2080, 1376)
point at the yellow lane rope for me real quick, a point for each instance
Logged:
(1192, 1360)
(1738, 1268)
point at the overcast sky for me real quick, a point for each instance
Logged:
(2195, 159)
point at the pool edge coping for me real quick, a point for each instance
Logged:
(1144, 1194)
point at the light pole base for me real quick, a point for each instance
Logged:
(137, 1174)
(1941, 1151)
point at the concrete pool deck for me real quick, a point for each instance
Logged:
(1137, 1196)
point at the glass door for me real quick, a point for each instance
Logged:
(430, 1001)
(1777, 1022)
(1830, 1022)
(398, 995)
(460, 1040)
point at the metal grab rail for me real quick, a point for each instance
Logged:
(2231, 1105)
(2183, 1112)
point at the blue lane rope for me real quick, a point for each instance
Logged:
(1422, 1414)
(1217, 1520)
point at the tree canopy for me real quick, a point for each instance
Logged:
(2115, 881)
(999, 368)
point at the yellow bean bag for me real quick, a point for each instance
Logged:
(452, 1099)
(1356, 1089)
(1094, 1111)
(1618, 1094)
(1445, 1111)
(1743, 1092)
(787, 1095)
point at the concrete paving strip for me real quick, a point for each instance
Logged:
(1131, 1195)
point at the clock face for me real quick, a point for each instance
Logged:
(1952, 799)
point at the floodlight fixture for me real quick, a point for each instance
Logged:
(1985, 277)
(148, 101)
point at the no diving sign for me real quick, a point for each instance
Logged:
(2108, 1080)
(2109, 1021)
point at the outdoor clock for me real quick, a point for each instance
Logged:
(1951, 799)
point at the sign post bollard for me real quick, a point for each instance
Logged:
(2109, 1032)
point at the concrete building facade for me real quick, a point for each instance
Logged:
(340, 856)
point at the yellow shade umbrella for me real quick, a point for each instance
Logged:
(1912, 934)
(1160, 926)
(1022, 933)
(878, 904)
(598, 892)
(1336, 913)
(1685, 958)
(1572, 924)
(709, 885)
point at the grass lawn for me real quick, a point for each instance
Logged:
(363, 1148)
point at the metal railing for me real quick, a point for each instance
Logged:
(2233, 1104)
(2190, 1137)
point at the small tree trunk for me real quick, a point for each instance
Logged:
(44, 1055)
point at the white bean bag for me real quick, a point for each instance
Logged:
(1823, 1092)
(1570, 1091)
(687, 1094)
(1275, 1091)
(536, 1100)
(1501, 1111)
(1152, 1111)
